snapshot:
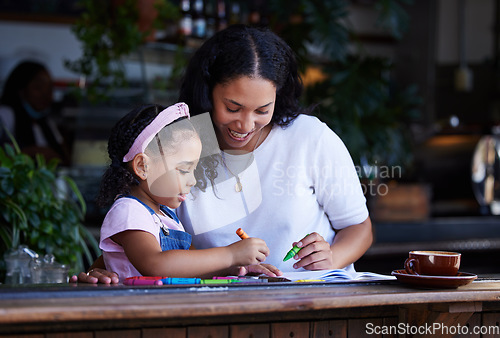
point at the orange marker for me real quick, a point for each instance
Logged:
(242, 233)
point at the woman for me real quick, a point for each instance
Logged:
(282, 176)
(25, 108)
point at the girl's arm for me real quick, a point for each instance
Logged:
(144, 252)
(349, 244)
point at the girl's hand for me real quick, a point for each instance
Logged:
(316, 253)
(259, 269)
(249, 251)
(95, 276)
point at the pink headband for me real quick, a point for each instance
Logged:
(164, 118)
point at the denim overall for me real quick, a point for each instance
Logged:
(169, 239)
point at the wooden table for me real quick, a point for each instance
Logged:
(265, 310)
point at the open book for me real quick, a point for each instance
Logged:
(334, 275)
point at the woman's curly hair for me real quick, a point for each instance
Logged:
(237, 51)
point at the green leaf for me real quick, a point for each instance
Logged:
(35, 220)
(5, 160)
(10, 151)
(7, 186)
(17, 210)
(76, 191)
(13, 140)
(5, 234)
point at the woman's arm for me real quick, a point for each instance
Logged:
(349, 244)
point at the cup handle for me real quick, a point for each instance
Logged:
(411, 264)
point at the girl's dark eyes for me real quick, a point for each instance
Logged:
(184, 172)
(231, 110)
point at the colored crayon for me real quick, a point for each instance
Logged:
(240, 232)
(293, 251)
(180, 281)
(146, 277)
(134, 281)
(218, 281)
(253, 281)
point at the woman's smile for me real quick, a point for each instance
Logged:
(239, 136)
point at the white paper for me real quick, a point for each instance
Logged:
(336, 274)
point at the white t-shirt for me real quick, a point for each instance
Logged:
(128, 214)
(7, 119)
(302, 180)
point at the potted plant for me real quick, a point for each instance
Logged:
(372, 118)
(354, 94)
(109, 31)
(42, 209)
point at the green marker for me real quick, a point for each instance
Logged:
(293, 251)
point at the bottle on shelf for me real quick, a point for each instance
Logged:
(199, 20)
(221, 15)
(235, 18)
(186, 21)
(211, 16)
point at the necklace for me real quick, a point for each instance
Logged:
(163, 228)
(238, 187)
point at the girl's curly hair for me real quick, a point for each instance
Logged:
(118, 178)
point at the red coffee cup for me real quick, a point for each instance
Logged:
(433, 263)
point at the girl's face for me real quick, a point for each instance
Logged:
(242, 108)
(170, 178)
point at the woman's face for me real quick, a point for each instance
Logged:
(242, 108)
(38, 92)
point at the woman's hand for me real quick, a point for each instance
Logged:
(249, 251)
(316, 253)
(349, 244)
(95, 276)
(259, 269)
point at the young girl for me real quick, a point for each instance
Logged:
(154, 152)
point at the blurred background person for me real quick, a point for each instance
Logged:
(27, 111)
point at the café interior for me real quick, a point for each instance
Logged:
(426, 145)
